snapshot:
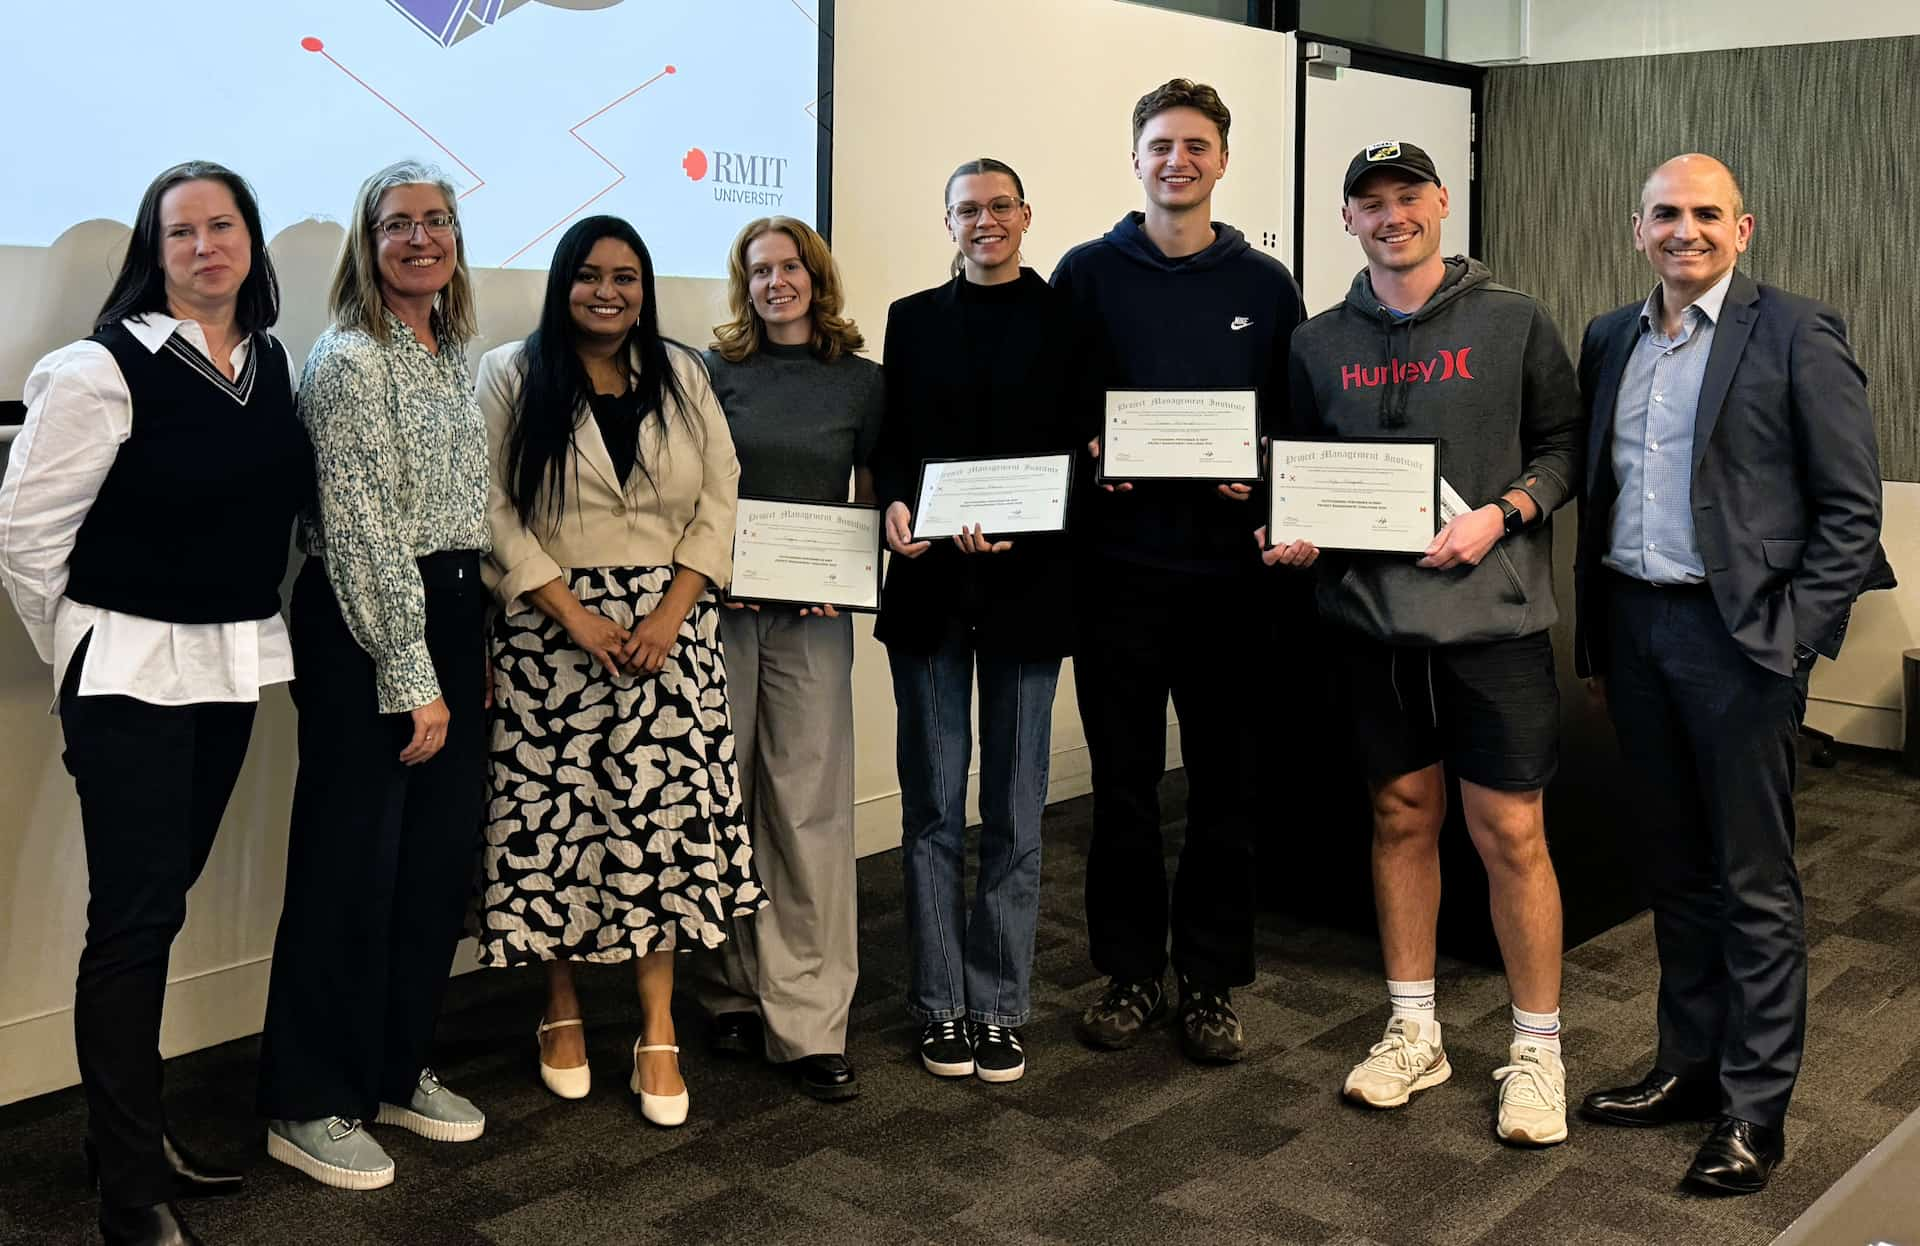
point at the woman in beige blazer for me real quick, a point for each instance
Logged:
(615, 831)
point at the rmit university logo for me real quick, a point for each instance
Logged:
(1444, 366)
(739, 177)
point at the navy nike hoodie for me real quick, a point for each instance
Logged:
(1217, 319)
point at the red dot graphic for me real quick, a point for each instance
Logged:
(695, 164)
(672, 70)
(312, 44)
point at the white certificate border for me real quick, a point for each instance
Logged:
(1258, 472)
(879, 545)
(1274, 450)
(1066, 499)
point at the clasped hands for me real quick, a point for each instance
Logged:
(641, 649)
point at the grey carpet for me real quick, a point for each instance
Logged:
(1113, 1148)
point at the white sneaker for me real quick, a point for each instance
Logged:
(1396, 1067)
(1533, 1097)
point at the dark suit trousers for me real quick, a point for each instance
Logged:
(380, 858)
(1144, 634)
(1709, 736)
(153, 783)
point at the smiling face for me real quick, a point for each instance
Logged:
(989, 240)
(205, 249)
(421, 264)
(607, 296)
(1178, 158)
(1690, 224)
(778, 282)
(1397, 220)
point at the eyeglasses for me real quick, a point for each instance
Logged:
(967, 212)
(400, 228)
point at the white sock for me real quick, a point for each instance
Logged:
(1542, 1029)
(1414, 1002)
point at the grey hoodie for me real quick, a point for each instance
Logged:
(1481, 368)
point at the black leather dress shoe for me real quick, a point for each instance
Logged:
(1659, 1098)
(1738, 1157)
(829, 1078)
(735, 1034)
(192, 1178)
(158, 1225)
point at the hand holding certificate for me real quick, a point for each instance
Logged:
(806, 554)
(1002, 497)
(1205, 434)
(1368, 495)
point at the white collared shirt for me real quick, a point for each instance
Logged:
(78, 414)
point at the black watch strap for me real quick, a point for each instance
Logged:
(1514, 519)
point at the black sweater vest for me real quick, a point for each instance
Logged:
(194, 520)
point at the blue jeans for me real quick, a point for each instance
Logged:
(977, 965)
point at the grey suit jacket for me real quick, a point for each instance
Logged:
(1786, 474)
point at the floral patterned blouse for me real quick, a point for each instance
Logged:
(400, 451)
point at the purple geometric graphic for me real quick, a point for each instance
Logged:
(447, 22)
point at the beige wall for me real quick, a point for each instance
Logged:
(908, 108)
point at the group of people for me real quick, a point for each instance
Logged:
(517, 665)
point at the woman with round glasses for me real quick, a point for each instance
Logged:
(144, 522)
(615, 831)
(805, 412)
(986, 364)
(387, 622)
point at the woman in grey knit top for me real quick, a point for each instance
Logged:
(805, 412)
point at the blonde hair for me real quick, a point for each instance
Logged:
(833, 334)
(354, 298)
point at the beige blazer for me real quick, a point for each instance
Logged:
(684, 517)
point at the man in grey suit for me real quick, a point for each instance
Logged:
(1730, 513)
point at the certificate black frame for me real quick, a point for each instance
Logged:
(879, 547)
(1259, 450)
(1066, 503)
(1273, 493)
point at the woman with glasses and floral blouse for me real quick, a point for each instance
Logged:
(986, 364)
(387, 621)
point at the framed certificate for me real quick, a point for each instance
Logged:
(1189, 434)
(1369, 494)
(793, 553)
(1004, 495)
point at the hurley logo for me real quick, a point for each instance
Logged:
(1239, 323)
(1447, 364)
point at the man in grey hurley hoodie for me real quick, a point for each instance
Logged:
(1444, 660)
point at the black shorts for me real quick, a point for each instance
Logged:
(1490, 712)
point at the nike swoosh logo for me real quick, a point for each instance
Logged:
(1239, 323)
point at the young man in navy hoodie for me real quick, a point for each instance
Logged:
(1168, 593)
(1445, 661)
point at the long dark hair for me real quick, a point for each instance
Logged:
(556, 387)
(141, 286)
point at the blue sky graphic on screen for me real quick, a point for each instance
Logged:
(687, 118)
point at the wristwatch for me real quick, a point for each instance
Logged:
(1514, 519)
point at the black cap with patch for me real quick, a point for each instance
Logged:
(1390, 154)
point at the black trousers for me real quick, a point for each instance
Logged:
(1144, 634)
(153, 782)
(1709, 736)
(380, 858)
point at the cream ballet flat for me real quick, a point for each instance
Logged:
(664, 1110)
(567, 1083)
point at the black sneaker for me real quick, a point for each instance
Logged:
(944, 1048)
(1116, 1019)
(997, 1056)
(1209, 1027)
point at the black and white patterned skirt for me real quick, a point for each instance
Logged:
(614, 826)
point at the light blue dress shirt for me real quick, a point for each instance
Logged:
(1652, 535)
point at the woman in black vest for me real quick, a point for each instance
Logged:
(144, 525)
(986, 364)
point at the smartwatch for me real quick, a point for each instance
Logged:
(1514, 519)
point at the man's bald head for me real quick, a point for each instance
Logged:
(1692, 167)
(1692, 225)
